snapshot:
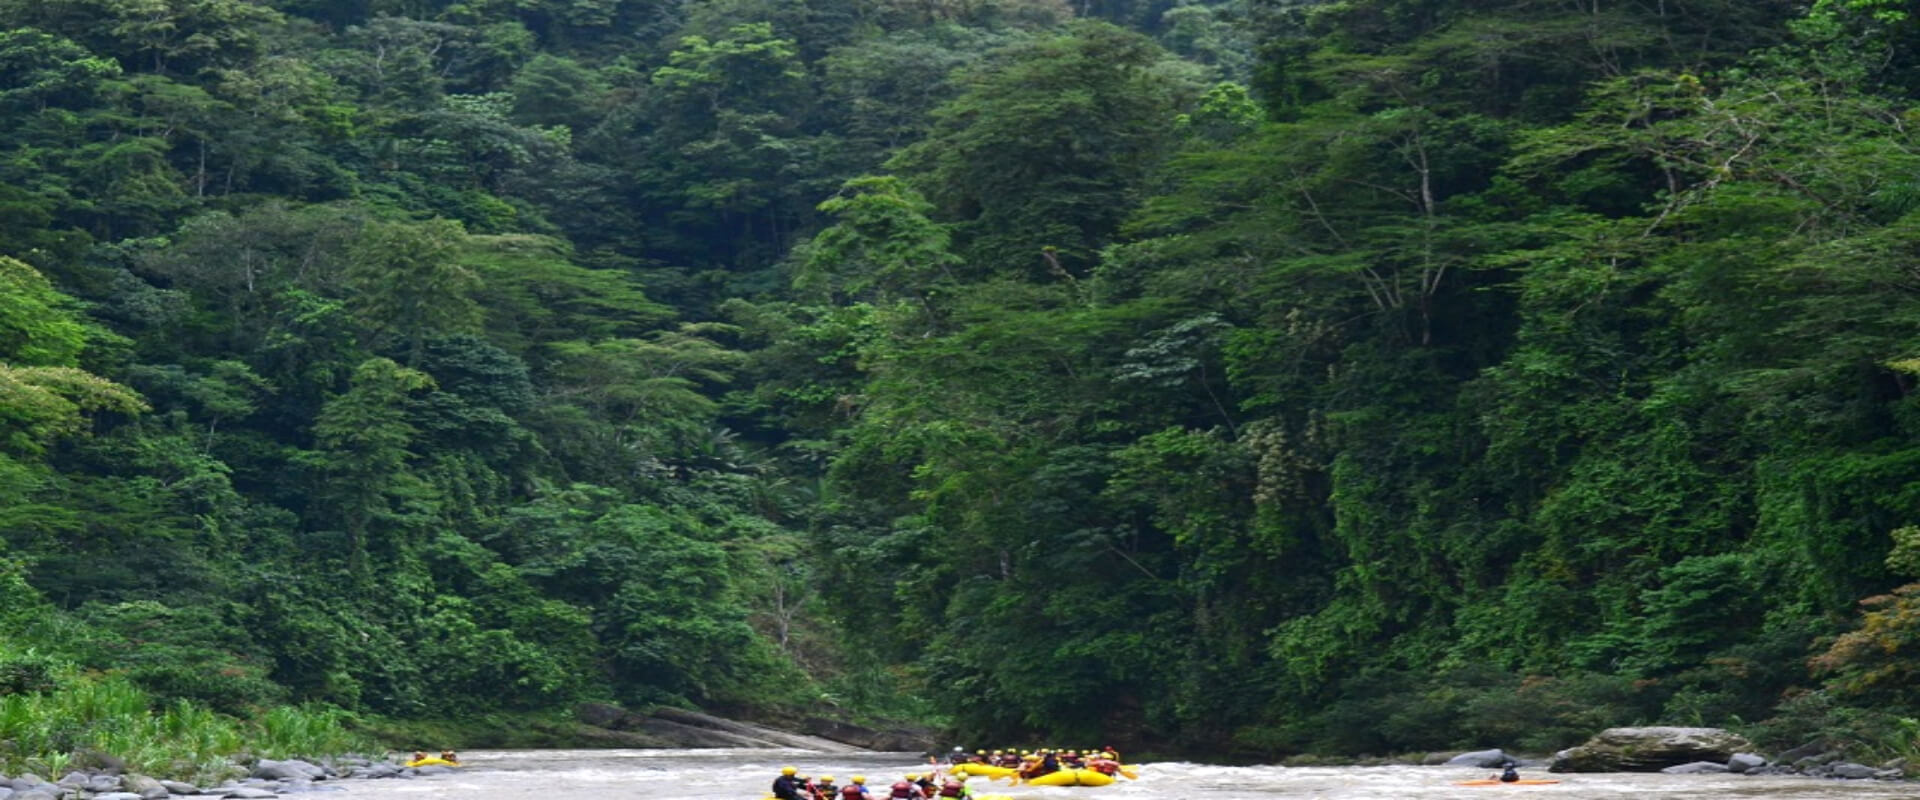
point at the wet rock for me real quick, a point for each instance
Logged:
(6, 792)
(1889, 774)
(1697, 768)
(1814, 762)
(1851, 771)
(1742, 762)
(117, 796)
(176, 787)
(41, 792)
(144, 787)
(1480, 759)
(290, 769)
(1649, 749)
(1771, 769)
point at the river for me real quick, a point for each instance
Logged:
(745, 775)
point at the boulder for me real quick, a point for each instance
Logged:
(1697, 768)
(1480, 759)
(6, 792)
(1649, 749)
(41, 792)
(1739, 763)
(177, 787)
(1770, 770)
(1852, 771)
(891, 740)
(147, 788)
(290, 769)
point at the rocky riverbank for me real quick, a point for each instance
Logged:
(1689, 751)
(265, 778)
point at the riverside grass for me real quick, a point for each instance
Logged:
(44, 732)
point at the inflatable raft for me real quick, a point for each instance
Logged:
(432, 762)
(1072, 777)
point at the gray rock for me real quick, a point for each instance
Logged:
(1771, 769)
(1808, 763)
(6, 792)
(289, 769)
(1741, 762)
(117, 796)
(1649, 749)
(147, 788)
(74, 779)
(248, 792)
(1897, 764)
(1480, 759)
(27, 780)
(176, 787)
(1696, 768)
(1890, 775)
(1851, 771)
(42, 792)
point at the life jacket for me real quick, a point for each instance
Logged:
(850, 792)
(903, 790)
(952, 789)
(1104, 766)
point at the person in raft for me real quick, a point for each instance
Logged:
(787, 787)
(449, 756)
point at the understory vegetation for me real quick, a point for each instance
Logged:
(1231, 378)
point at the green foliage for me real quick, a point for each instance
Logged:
(1250, 379)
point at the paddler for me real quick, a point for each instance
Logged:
(787, 787)
(859, 785)
(825, 788)
(1510, 772)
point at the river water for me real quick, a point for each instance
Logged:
(746, 774)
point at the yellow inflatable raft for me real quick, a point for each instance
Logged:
(1072, 777)
(984, 770)
(432, 762)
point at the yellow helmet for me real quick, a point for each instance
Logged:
(913, 776)
(788, 771)
(827, 778)
(859, 779)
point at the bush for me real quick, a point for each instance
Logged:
(28, 672)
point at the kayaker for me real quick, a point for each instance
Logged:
(787, 787)
(1509, 772)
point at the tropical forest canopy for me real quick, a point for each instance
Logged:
(1233, 377)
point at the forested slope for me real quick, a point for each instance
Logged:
(1236, 379)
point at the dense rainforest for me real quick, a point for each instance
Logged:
(1237, 378)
